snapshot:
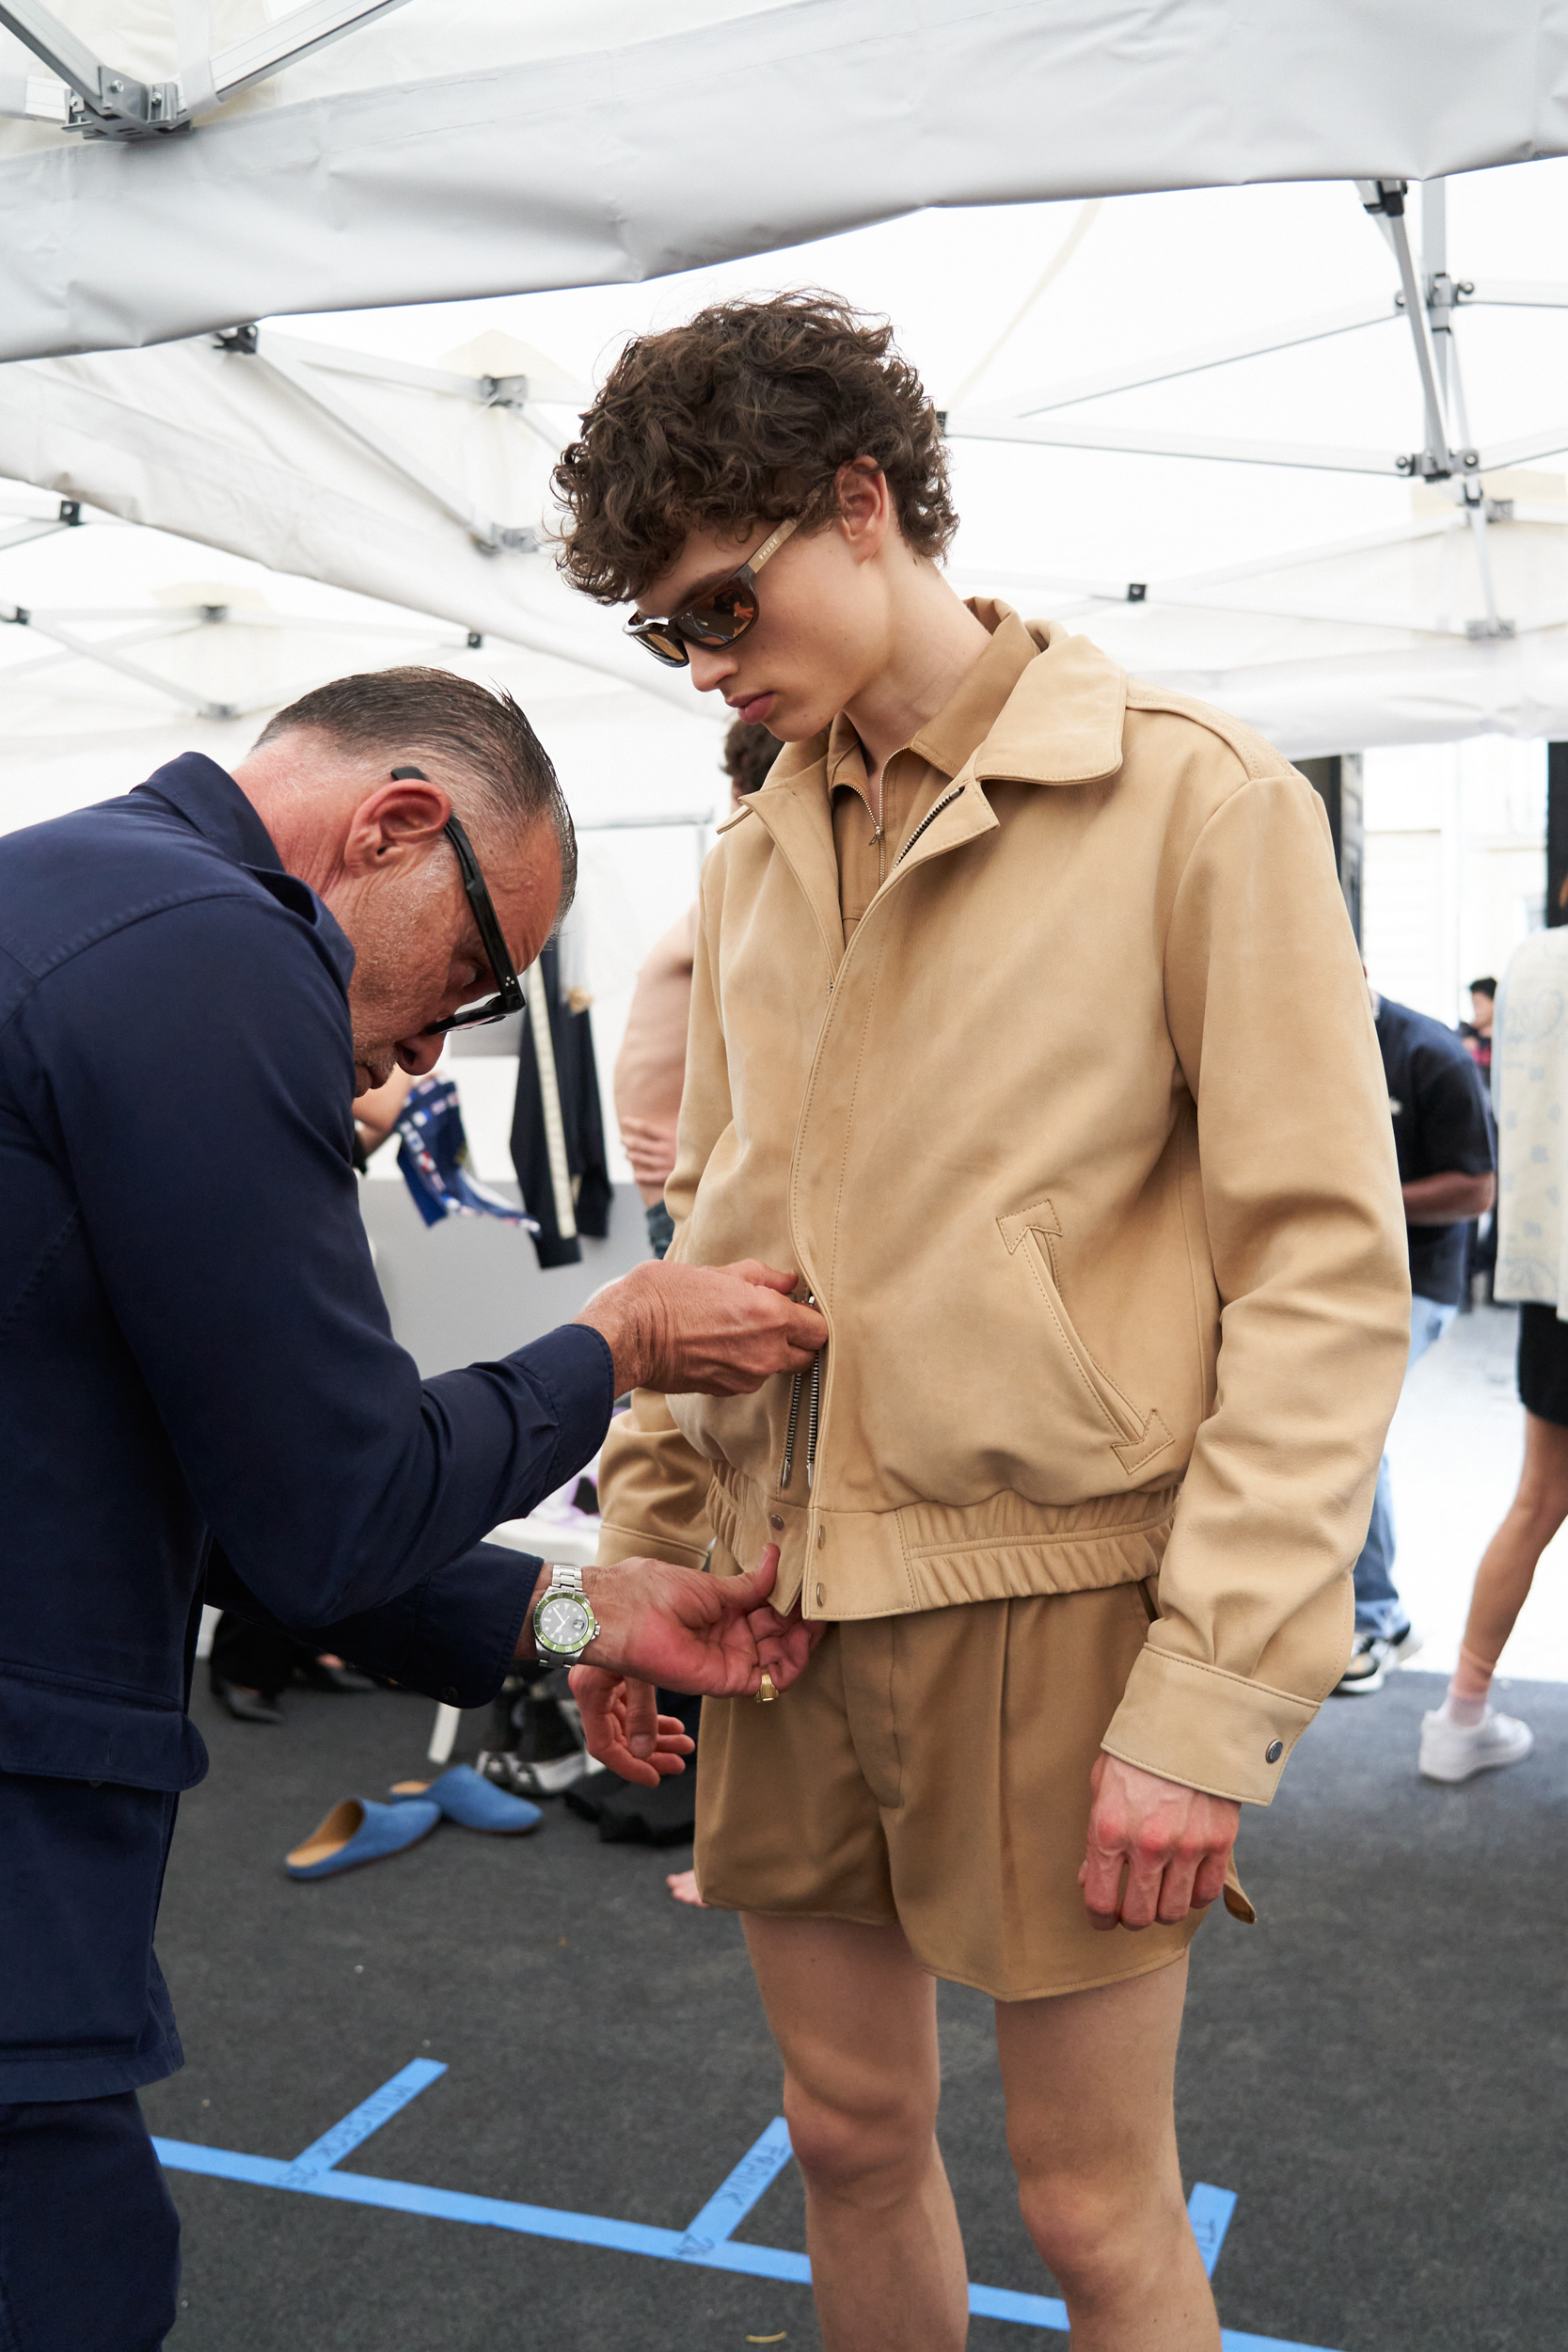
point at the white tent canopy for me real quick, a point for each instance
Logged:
(449, 148)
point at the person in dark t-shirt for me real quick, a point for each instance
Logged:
(1443, 1140)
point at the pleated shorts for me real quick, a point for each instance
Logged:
(934, 1770)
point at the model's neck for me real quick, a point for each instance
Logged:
(935, 639)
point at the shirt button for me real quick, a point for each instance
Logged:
(775, 1523)
(820, 1596)
(1275, 1750)
(450, 1693)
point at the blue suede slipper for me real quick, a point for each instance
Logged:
(358, 1831)
(463, 1795)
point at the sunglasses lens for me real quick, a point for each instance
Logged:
(721, 615)
(662, 640)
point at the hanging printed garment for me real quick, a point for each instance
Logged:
(432, 1153)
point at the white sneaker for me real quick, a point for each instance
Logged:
(1450, 1752)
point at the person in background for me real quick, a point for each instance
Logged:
(1465, 1736)
(650, 1068)
(1443, 1139)
(1483, 999)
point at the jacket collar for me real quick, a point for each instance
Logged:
(1061, 723)
(207, 797)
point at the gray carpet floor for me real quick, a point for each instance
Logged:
(1377, 2069)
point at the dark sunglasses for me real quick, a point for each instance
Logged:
(509, 989)
(716, 616)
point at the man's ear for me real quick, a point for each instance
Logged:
(396, 823)
(864, 507)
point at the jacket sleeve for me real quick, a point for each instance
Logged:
(653, 1485)
(1269, 1010)
(453, 1635)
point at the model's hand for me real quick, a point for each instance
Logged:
(650, 1146)
(710, 1331)
(1174, 1843)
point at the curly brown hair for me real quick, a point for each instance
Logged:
(744, 416)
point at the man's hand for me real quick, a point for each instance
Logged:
(709, 1330)
(720, 1637)
(1174, 1843)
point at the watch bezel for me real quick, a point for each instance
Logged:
(570, 1652)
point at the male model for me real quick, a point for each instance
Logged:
(1028, 1024)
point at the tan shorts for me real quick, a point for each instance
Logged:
(934, 1769)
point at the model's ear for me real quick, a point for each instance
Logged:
(864, 507)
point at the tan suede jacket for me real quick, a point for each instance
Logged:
(1082, 1147)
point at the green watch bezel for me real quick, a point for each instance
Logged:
(546, 1648)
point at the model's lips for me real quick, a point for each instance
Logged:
(754, 709)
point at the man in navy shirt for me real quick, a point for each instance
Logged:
(1443, 1139)
(199, 1393)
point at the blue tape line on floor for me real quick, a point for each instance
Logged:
(707, 2243)
(1208, 2210)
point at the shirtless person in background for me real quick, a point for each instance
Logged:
(650, 1068)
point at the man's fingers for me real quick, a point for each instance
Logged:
(1100, 1880)
(1208, 1885)
(769, 1278)
(740, 1593)
(640, 1706)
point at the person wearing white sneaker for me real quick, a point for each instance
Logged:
(1530, 1078)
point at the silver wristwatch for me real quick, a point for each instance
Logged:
(563, 1620)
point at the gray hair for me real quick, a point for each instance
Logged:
(410, 710)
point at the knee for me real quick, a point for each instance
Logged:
(1541, 1505)
(1086, 2230)
(874, 2151)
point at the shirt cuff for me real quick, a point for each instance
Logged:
(1205, 1727)
(576, 1371)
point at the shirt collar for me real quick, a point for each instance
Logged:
(208, 798)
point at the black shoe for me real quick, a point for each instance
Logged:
(246, 1706)
(317, 1674)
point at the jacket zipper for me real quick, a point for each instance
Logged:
(813, 1412)
(813, 1407)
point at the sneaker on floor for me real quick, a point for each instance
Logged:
(1453, 1752)
(1368, 1663)
(1403, 1647)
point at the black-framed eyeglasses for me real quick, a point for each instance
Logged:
(716, 616)
(509, 988)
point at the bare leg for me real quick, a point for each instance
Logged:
(1089, 2080)
(1507, 1568)
(856, 2023)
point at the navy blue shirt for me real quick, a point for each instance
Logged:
(1441, 1127)
(193, 1345)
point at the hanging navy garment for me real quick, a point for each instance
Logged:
(578, 1078)
(432, 1153)
(192, 1343)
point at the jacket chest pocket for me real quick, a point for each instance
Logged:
(1136, 1439)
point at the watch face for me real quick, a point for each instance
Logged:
(564, 1622)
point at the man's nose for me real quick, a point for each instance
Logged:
(709, 669)
(419, 1056)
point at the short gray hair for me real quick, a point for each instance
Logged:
(410, 710)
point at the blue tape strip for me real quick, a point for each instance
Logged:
(707, 2244)
(758, 2168)
(1208, 2210)
(368, 2117)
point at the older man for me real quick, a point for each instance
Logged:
(195, 982)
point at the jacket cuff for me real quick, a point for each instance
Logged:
(636, 1542)
(1206, 1728)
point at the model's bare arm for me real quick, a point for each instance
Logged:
(1449, 1198)
(713, 1330)
(1173, 1843)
